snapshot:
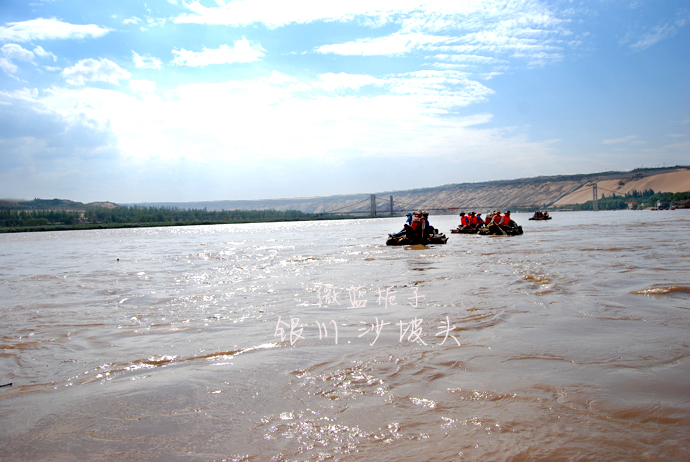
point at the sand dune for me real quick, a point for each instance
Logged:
(678, 181)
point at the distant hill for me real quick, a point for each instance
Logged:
(517, 194)
(522, 193)
(52, 204)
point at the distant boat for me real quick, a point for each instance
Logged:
(539, 216)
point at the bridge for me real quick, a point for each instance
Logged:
(378, 207)
(375, 207)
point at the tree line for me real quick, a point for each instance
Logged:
(142, 215)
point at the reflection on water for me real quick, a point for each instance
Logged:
(315, 341)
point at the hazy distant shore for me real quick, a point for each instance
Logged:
(89, 226)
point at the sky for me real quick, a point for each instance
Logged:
(192, 100)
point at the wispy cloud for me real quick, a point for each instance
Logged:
(48, 29)
(8, 67)
(39, 51)
(16, 52)
(653, 37)
(146, 62)
(390, 45)
(102, 70)
(658, 33)
(682, 146)
(13, 52)
(350, 81)
(241, 52)
(525, 30)
(625, 139)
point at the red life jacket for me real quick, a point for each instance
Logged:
(505, 221)
(416, 221)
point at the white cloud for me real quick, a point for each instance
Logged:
(682, 146)
(12, 51)
(276, 14)
(482, 33)
(48, 29)
(8, 67)
(440, 90)
(153, 22)
(102, 70)
(132, 20)
(342, 80)
(390, 45)
(657, 34)
(620, 140)
(16, 52)
(466, 58)
(241, 52)
(142, 86)
(146, 61)
(651, 38)
(485, 37)
(194, 121)
(39, 51)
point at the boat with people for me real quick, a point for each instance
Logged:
(495, 224)
(498, 230)
(465, 230)
(404, 240)
(539, 215)
(417, 230)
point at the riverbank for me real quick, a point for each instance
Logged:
(87, 226)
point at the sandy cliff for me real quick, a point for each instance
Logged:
(526, 193)
(678, 181)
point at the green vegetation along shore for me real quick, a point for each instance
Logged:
(58, 214)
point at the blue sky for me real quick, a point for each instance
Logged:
(174, 100)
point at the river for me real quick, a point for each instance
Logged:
(315, 341)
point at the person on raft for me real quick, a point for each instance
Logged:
(470, 221)
(429, 230)
(407, 223)
(503, 222)
(463, 220)
(419, 227)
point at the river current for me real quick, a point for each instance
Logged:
(316, 341)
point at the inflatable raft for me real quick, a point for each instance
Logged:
(495, 230)
(404, 240)
(465, 230)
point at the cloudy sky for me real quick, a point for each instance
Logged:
(186, 100)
